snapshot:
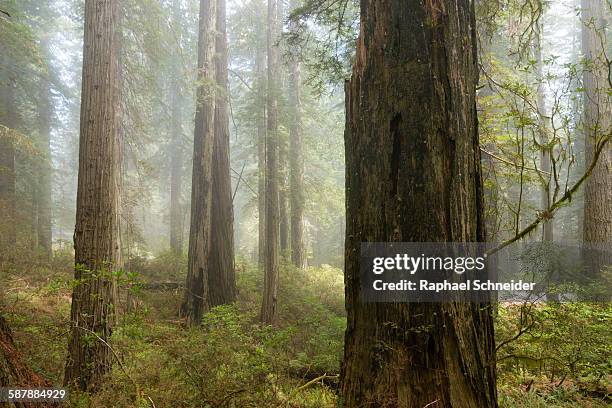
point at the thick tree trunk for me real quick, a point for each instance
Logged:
(14, 373)
(196, 290)
(221, 276)
(413, 175)
(597, 224)
(96, 236)
(8, 118)
(45, 169)
(296, 163)
(268, 307)
(260, 68)
(176, 159)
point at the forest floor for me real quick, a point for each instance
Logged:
(562, 359)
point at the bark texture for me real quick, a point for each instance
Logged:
(96, 236)
(597, 226)
(296, 164)
(196, 290)
(222, 279)
(268, 307)
(413, 175)
(14, 373)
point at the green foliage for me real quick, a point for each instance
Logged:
(556, 344)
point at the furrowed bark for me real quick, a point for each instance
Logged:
(597, 223)
(268, 307)
(196, 290)
(413, 175)
(222, 280)
(97, 236)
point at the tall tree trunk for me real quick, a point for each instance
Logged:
(96, 236)
(45, 170)
(413, 175)
(268, 307)
(296, 163)
(176, 159)
(597, 224)
(221, 276)
(260, 68)
(8, 118)
(544, 140)
(283, 153)
(196, 290)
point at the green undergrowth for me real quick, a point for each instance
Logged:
(562, 358)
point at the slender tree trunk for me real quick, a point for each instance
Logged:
(544, 140)
(283, 154)
(97, 236)
(45, 169)
(268, 307)
(260, 68)
(413, 175)
(8, 118)
(196, 290)
(176, 157)
(222, 279)
(597, 224)
(296, 162)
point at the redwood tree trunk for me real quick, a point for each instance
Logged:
(96, 237)
(283, 152)
(45, 169)
(296, 164)
(260, 68)
(8, 118)
(544, 140)
(221, 276)
(196, 290)
(268, 307)
(176, 159)
(597, 226)
(413, 175)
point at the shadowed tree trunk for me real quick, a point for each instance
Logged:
(296, 164)
(597, 224)
(268, 307)
(260, 71)
(544, 140)
(8, 118)
(221, 276)
(196, 290)
(413, 175)
(176, 157)
(96, 237)
(45, 169)
(283, 152)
